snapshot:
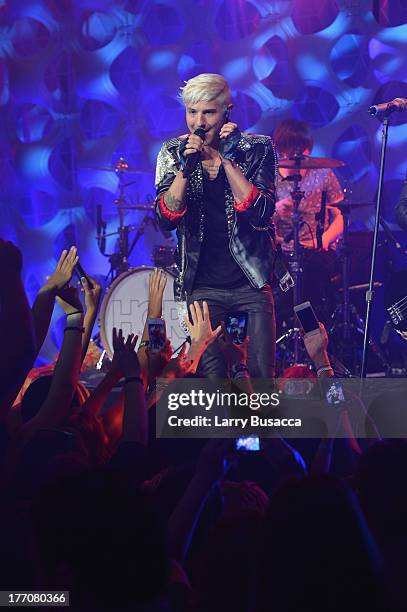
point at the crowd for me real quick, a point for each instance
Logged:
(92, 503)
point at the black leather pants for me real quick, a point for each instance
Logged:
(261, 328)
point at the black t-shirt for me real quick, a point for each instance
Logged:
(216, 266)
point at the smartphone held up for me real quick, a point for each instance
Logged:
(157, 334)
(307, 318)
(236, 326)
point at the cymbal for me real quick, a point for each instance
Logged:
(310, 163)
(117, 169)
(136, 206)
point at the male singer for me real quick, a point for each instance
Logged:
(216, 187)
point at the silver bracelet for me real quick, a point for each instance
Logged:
(324, 369)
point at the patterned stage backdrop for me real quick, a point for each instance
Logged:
(82, 83)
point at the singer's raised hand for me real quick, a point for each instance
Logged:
(227, 129)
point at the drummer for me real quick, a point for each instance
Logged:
(292, 136)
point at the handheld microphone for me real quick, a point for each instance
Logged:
(192, 160)
(398, 104)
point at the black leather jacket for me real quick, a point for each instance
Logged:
(401, 208)
(250, 242)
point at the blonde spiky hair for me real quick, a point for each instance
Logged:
(205, 87)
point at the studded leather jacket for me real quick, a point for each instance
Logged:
(249, 240)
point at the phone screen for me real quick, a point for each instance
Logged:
(335, 393)
(307, 319)
(157, 334)
(252, 443)
(236, 326)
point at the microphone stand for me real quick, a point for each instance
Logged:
(320, 217)
(295, 263)
(369, 292)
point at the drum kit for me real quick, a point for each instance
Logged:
(125, 302)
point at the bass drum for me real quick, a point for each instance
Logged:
(125, 307)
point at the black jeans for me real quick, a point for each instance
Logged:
(261, 328)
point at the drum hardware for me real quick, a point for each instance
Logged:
(295, 264)
(345, 318)
(119, 261)
(280, 272)
(163, 257)
(309, 163)
(376, 285)
(344, 309)
(148, 207)
(288, 334)
(320, 218)
(120, 167)
(347, 326)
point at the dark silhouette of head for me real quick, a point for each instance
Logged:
(100, 534)
(317, 550)
(35, 396)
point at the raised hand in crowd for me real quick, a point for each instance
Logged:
(92, 301)
(16, 327)
(135, 425)
(124, 352)
(158, 360)
(316, 346)
(317, 349)
(43, 306)
(200, 330)
(69, 300)
(202, 336)
(64, 269)
(215, 459)
(56, 408)
(178, 367)
(156, 285)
